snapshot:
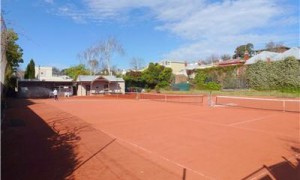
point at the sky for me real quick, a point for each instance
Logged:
(54, 32)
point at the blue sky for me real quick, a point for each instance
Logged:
(54, 32)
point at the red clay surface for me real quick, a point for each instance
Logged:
(142, 139)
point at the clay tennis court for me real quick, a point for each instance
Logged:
(116, 138)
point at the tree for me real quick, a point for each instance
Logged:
(156, 74)
(225, 57)
(30, 70)
(105, 49)
(207, 79)
(74, 71)
(199, 79)
(101, 54)
(113, 71)
(94, 65)
(240, 50)
(14, 55)
(136, 63)
(134, 79)
(13, 52)
(274, 47)
(213, 58)
(56, 71)
(150, 75)
(165, 77)
(90, 58)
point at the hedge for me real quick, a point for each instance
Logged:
(279, 75)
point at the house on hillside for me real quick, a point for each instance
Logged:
(93, 85)
(176, 66)
(234, 62)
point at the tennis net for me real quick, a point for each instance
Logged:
(191, 99)
(259, 103)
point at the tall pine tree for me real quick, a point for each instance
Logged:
(30, 70)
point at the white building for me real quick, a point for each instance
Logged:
(176, 66)
(44, 73)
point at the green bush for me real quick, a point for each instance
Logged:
(212, 86)
(157, 89)
(226, 77)
(280, 75)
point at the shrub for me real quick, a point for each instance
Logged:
(281, 75)
(212, 86)
(157, 89)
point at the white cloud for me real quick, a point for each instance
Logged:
(206, 26)
(226, 18)
(199, 50)
(49, 1)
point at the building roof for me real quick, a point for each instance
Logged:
(172, 61)
(45, 81)
(263, 56)
(231, 62)
(295, 51)
(272, 56)
(276, 48)
(87, 78)
(194, 66)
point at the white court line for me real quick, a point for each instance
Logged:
(159, 156)
(262, 99)
(90, 100)
(237, 127)
(251, 120)
(299, 129)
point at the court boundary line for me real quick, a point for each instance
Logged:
(237, 127)
(299, 130)
(89, 100)
(267, 99)
(156, 155)
(251, 120)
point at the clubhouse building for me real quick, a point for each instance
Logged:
(99, 84)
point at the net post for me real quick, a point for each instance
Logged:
(209, 99)
(283, 103)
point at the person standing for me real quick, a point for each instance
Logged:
(68, 92)
(55, 94)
